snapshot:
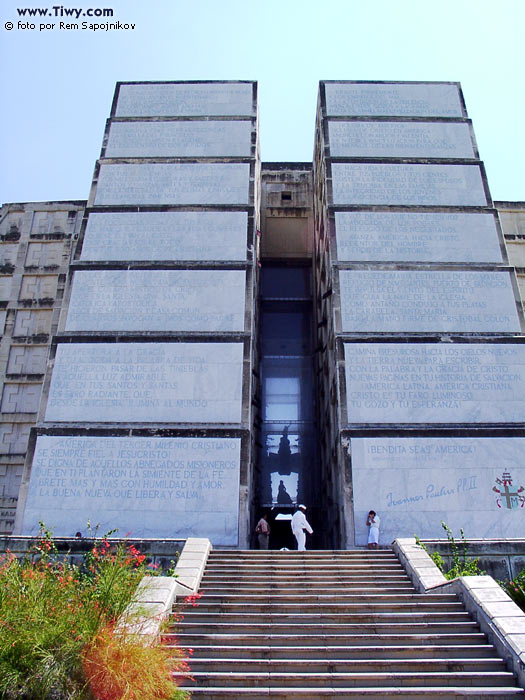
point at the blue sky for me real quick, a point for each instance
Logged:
(57, 85)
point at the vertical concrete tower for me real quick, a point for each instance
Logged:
(147, 415)
(421, 355)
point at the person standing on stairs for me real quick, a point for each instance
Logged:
(299, 525)
(263, 532)
(372, 522)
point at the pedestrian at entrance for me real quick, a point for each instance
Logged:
(372, 522)
(299, 525)
(262, 531)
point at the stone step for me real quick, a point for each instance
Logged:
(274, 590)
(315, 579)
(360, 616)
(419, 636)
(280, 600)
(304, 562)
(412, 693)
(330, 665)
(315, 572)
(322, 652)
(338, 612)
(309, 554)
(305, 566)
(317, 628)
(349, 680)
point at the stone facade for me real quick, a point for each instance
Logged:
(512, 217)
(420, 365)
(152, 417)
(152, 361)
(35, 249)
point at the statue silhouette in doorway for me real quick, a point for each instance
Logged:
(283, 497)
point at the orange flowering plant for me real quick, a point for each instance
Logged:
(57, 628)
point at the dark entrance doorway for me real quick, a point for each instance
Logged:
(288, 457)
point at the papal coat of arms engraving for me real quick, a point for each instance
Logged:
(508, 497)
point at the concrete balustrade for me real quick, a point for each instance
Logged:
(496, 613)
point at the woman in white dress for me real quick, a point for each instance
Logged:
(372, 522)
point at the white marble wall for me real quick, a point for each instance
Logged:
(399, 100)
(352, 139)
(170, 235)
(435, 382)
(417, 237)
(179, 139)
(157, 300)
(173, 183)
(403, 184)
(415, 483)
(185, 100)
(145, 487)
(146, 383)
(395, 301)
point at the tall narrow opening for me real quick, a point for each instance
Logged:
(288, 454)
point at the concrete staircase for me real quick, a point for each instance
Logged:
(322, 624)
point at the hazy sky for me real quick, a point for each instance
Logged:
(57, 85)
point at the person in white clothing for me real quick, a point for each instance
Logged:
(299, 525)
(372, 521)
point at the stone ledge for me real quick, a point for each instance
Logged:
(156, 594)
(190, 567)
(153, 603)
(496, 613)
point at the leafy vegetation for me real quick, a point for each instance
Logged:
(59, 638)
(516, 589)
(462, 563)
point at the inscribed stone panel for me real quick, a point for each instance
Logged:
(470, 483)
(148, 487)
(173, 183)
(374, 183)
(32, 322)
(14, 438)
(184, 235)
(435, 383)
(44, 254)
(417, 237)
(157, 300)
(416, 301)
(400, 100)
(179, 100)
(400, 139)
(27, 359)
(38, 287)
(180, 139)
(147, 383)
(21, 398)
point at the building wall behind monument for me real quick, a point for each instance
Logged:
(512, 217)
(35, 249)
(147, 412)
(419, 318)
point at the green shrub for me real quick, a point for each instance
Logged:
(52, 613)
(462, 563)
